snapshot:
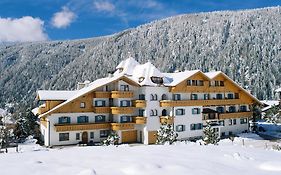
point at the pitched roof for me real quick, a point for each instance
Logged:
(54, 95)
(177, 77)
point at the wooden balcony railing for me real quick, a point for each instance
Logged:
(122, 94)
(214, 102)
(122, 126)
(166, 119)
(122, 110)
(139, 120)
(80, 126)
(235, 115)
(139, 103)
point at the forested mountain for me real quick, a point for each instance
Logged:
(246, 45)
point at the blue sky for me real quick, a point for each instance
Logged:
(34, 20)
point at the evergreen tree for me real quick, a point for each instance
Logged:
(210, 135)
(166, 134)
(112, 139)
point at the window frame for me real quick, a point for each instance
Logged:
(180, 113)
(180, 128)
(104, 133)
(195, 110)
(68, 120)
(100, 121)
(82, 105)
(62, 136)
(81, 121)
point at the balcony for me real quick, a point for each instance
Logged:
(139, 103)
(214, 102)
(102, 110)
(122, 94)
(139, 120)
(102, 94)
(122, 126)
(80, 126)
(166, 120)
(122, 110)
(235, 115)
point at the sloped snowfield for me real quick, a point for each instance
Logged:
(181, 159)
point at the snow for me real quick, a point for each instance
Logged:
(54, 95)
(178, 77)
(270, 104)
(180, 159)
(213, 74)
(278, 90)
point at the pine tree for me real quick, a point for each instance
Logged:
(166, 134)
(210, 135)
(112, 139)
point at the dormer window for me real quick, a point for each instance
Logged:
(141, 79)
(120, 70)
(157, 80)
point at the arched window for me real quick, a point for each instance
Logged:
(164, 112)
(164, 97)
(153, 97)
(64, 119)
(153, 112)
(82, 119)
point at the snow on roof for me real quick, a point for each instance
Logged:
(278, 90)
(177, 77)
(269, 104)
(54, 95)
(212, 74)
(92, 86)
(128, 66)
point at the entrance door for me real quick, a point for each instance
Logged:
(85, 137)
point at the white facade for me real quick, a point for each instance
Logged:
(188, 121)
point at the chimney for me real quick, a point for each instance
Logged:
(82, 85)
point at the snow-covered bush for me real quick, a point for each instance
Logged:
(276, 147)
(210, 135)
(166, 134)
(112, 139)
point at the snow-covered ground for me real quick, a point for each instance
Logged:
(180, 159)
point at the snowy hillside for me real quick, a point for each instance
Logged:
(180, 159)
(243, 44)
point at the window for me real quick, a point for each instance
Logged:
(100, 118)
(230, 133)
(216, 83)
(200, 83)
(82, 119)
(77, 136)
(196, 126)
(219, 96)
(82, 105)
(180, 111)
(141, 79)
(124, 87)
(221, 122)
(100, 103)
(125, 103)
(194, 97)
(216, 129)
(142, 97)
(243, 108)
(230, 96)
(153, 97)
(220, 109)
(234, 121)
(157, 80)
(104, 133)
(164, 97)
(141, 112)
(243, 121)
(153, 112)
(230, 122)
(125, 119)
(63, 136)
(176, 96)
(194, 82)
(221, 83)
(180, 128)
(223, 134)
(63, 120)
(206, 96)
(188, 82)
(92, 135)
(195, 110)
(232, 109)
